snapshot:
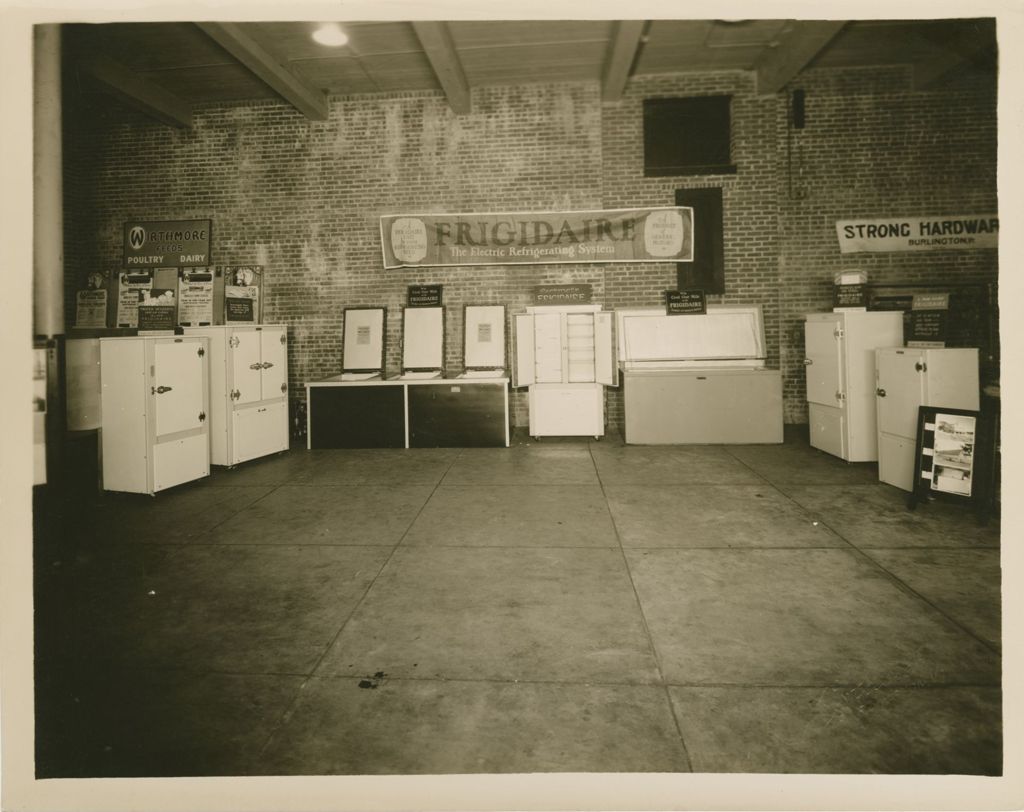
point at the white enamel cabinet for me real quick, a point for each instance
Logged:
(154, 396)
(565, 355)
(248, 391)
(907, 378)
(839, 358)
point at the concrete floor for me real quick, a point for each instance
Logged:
(564, 606)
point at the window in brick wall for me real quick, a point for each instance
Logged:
(689, 136)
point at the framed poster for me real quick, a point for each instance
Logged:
(130, 285)
(950, 456)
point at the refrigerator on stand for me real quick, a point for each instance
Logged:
(907, 378)
(839, 360)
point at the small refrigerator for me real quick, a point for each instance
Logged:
(248, 391)
(839, 359)
(155, 403)
(907, 378)
(565, 355)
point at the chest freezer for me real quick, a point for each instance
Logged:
(698, 378)
(839, 363)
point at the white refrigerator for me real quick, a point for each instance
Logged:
(154, 403)
(907, 378)
(839, 360)
(565, 355)
(248, 391)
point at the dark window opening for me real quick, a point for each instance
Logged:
(690, 136)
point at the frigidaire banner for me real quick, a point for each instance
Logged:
(166, 243)
(505, 238)
(918, 233)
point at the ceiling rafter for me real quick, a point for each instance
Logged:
(795, 49)
(622, 53)
(437, 42)
(310, 101)
(136, 91)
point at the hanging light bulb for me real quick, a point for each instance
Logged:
(330, 34)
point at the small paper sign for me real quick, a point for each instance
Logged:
(195, 297)
(238, 308)
(929, 320)
(685, 303)
(849, 296)
(157, 310)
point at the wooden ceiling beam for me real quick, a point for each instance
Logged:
(796, 47)
(949, 58)
(232, 37)
(621, 53)
(437, 42)
(136, 91)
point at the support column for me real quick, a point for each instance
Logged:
(48, 182)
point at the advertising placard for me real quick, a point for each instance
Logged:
(928, 320)
(91, 310)
(918, 233)
(515, 238)
(157, 310)
(563, 294)
(166, 243)
(195, 297)
(129, 294)
(424, 296)
(685, 303)
(242, 284)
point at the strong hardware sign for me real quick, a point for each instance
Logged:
(516, 238)
(166, 243)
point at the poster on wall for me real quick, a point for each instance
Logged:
(242, 287)
(91, 309)
(157, 310)
(929, 320)
(130, 285)
(663, 234)
(918, 233)
(195, 297)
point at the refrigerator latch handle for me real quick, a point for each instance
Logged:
(920, 367)
(880, 393)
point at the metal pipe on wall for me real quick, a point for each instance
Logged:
(48, 182)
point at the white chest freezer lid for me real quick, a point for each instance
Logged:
(422, 339)
(726, 334)
(484, 334)
(363, 340)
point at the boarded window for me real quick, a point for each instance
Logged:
(690, 136)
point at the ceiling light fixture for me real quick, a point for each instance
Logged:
(330, 34)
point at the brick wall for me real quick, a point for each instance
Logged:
(303, 198)
(873, 147)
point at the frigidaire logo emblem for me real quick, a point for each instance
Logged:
(137, 237)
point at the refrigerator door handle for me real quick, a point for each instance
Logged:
(880, 393)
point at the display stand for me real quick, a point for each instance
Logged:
(951, 459)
